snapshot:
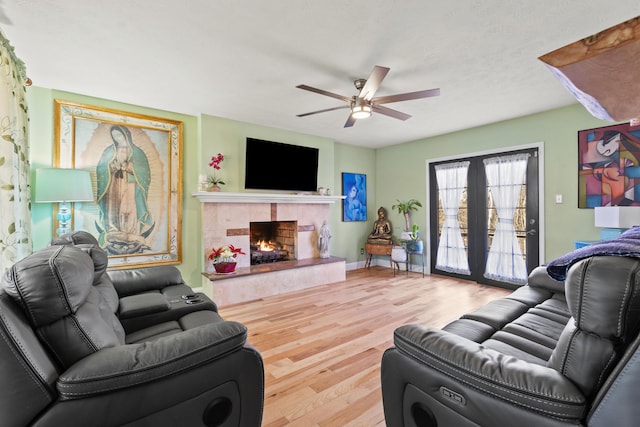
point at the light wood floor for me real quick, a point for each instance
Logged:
(322, 346)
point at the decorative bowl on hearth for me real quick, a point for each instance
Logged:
(225, 267)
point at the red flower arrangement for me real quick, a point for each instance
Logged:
(225, 254)
(224, 258)
(215, 161)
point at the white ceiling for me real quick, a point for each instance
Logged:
(242, 59)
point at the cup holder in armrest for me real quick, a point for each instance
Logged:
(192, 299)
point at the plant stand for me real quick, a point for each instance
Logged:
(414, 247)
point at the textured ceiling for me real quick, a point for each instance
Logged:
(241, 59)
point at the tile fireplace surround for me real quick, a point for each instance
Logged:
(225, 220)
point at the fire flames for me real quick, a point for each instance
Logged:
(265, 246)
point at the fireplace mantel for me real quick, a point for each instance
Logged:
(224, 197)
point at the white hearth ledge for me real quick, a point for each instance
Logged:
(224, 197)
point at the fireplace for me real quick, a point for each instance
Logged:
(272, 241)
(226, 219)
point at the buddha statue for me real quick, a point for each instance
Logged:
(381, 233)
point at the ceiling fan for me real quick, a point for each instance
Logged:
(363, 104)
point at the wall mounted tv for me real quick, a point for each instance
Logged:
(278, 166)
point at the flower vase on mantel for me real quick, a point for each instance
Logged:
(213, 180)
(209, 183)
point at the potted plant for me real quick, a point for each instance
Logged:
(415, 245)
(415, 232)
(224, 258)
(405, 209)
(213, 180)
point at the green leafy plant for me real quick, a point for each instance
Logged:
(415, 232)
(405, 209)
(213, 179)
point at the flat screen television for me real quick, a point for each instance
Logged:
(278, 166)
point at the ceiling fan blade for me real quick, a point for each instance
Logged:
(323, 111)
(350, 121)
(389, 112)
(406, 96)
(373, 82)
(324, 92)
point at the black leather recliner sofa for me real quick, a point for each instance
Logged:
(549, 354)
(85, 347)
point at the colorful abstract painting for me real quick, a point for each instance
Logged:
(609, 166)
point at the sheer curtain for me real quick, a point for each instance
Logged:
(505, 176)
(452, 253)
(15, 198)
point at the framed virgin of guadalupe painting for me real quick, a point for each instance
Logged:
(136, 172)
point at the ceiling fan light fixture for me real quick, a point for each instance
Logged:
(362, 105)
(360, 109)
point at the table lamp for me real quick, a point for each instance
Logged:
(615, 219)
(63, 186)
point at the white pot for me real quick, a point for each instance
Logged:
(405, 235)
(398, 254)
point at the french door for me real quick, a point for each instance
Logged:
(484, 217)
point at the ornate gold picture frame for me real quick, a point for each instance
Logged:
(135, 163)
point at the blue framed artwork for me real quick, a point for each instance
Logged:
(354, 205)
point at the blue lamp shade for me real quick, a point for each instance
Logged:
(63, 185)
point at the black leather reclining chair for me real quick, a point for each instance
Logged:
(540, 357)
(76, 353)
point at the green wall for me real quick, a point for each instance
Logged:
(349, 237)
(229, 138)
(396, 172)
(401, 170)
